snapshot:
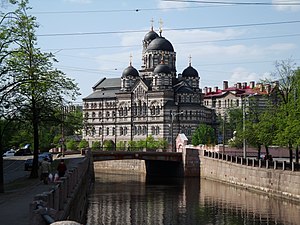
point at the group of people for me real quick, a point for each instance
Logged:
(46, 174)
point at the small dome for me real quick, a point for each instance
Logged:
(190, 72)
(151, 35)
(130, 71)
(162, 68)
(160, 43)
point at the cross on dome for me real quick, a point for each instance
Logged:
(160, 26)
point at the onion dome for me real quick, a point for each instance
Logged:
(190, 72)
(151, 35)
(160, 43)
(162, 68)
(130, 71)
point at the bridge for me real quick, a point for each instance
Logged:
(175, 164)
(121, 155)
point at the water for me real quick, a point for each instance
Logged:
(119, 199)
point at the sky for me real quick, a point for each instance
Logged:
(93, 39)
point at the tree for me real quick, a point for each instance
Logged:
(96, 145)
(108, 145)
(83, 144)
(286, 115)
(72, 144)
(41, 89)
(204, 134)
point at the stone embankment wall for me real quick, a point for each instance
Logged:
(68, 198)
(130, 165)
(252, 174)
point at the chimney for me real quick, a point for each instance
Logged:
(268, 88)
(209, 90)
(252, 84)
(244, 85)
(205, 90)
(216, 89)
(238, 85)
(225, 84)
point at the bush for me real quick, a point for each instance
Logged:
(108, 145)
(96, 145)
(72, 145)
(83, 144)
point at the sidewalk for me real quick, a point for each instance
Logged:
(14, 203)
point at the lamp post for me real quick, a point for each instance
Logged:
(244, 123)
(172, 121)
(244, 129)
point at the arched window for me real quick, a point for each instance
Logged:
(121, 112)
(157, 110)
(144, 109)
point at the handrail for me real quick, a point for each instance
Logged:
(268, 164)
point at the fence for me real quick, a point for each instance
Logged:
(268, 164)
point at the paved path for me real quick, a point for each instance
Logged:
(14, 203)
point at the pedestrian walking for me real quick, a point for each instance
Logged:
(61, 168)
(45, 170)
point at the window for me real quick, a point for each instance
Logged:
(100, 131)
(121, 111)
(114, 131)
(157, 110)
(107, 131)
(121, 131)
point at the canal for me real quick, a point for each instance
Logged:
(133, 199)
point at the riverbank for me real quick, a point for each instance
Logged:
(14, 203)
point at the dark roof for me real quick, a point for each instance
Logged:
(130, 71)
(160, 43)
(99, 94)
(190, 72)
(108, 83)
(151, 35)
(162, 68)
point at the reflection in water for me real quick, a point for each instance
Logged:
(133, 199)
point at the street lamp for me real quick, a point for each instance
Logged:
(172, 121)
(244, 123)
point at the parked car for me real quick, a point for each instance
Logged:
(23, 151)
(29, 162)
(9, 153)
(46, 154)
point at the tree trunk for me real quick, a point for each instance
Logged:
(35, 122)
(297, 154)
(259, 151)
(267, 151)
(291, 153)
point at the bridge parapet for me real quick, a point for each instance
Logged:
(121, 155)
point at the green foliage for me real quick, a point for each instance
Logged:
(83, 144)
(31, 88)
(108, 145)
(204, 134)
(96, 145)
(132, 145)
(72, 145)
(121, 146)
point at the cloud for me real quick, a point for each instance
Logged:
(166, 5)
(241, 74)
(283, 7)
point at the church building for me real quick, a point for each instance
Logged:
(153, 100)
